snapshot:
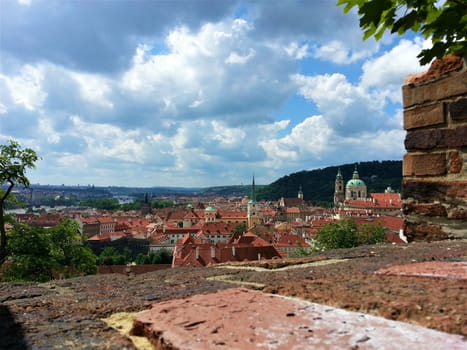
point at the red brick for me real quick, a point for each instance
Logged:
(458, 110)
(424, 232)
(429, 191)
(457, 214)
(443, 88)
(438, 68)
(424, 116)
(426, 209)
(455, 162)
(424, 164)
(426, 139)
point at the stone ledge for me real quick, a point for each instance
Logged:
(244, 319)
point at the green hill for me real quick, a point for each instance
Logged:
(318, 185)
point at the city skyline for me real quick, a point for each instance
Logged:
(197, 93)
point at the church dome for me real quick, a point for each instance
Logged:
(211, 209)
(356, 182)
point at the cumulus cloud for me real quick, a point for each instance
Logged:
(196, 93)
(394, 65)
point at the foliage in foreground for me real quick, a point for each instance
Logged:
(444, 22)
(36, 254)
(14, 162)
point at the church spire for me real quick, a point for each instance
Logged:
(253, 190)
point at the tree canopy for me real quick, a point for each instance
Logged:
(36, 253)
(14, 161)
(445, 23)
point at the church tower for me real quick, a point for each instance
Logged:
(300, 193)
(252, 207)
(339, 191)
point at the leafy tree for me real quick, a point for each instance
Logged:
(161, 203)
(162, 256)
(108, 256)
(102, 203)
(31, 254)
(347, 234)
(444, 22)
(69, 250)
(340, 234)
(142, 259)
(36, 253)
(111, 256)
(240, 228)
(371, 234)
(14, 161)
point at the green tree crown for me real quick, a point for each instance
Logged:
(444, 22)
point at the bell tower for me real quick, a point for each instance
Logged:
(300, 193)
(339, 190)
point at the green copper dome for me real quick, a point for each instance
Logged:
(356, 182)
(210, 209)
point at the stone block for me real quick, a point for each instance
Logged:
(426, 164)
(429, 191)
(426, 139)
(455, 162)
(458, 110)
(438, 68)
(426, 209)
(457, 214)
(437, 90)
(424, 232)
(424, 116)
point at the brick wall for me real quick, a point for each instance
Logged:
(435, 166)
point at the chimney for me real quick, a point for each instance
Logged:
(233, 250)
(213, 252)
(197, 253)
(259, 256)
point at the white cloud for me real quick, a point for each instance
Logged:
(25, 2)
(93, 88)
(338, 52)
(235, 58)
(297, 51)
(25, 88)
(201, 98)
(393, 66)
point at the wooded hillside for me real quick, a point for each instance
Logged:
(318, 185)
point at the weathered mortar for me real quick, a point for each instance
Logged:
(435, 166)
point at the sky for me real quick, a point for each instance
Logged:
(197, 93)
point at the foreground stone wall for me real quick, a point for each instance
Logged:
(435, 166)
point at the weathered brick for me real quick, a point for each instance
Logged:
(457, 214)
(438, 68)
(424, 116)
(458, 110)
(424, 164)
(426, 209)
(426, 139)
(455, 162)
(424, 232)
(442, 88)
(430, 191)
